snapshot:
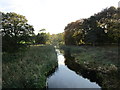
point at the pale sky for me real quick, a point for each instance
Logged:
(54, 15)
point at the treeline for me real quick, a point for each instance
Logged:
(56, 39)
(101, 28)
(17, 34)
(42, 37)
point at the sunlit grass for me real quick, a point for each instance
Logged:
(28, 69)
(38, 45)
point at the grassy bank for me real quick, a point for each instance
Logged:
(100, 63)
(28, 69)
(104, 59)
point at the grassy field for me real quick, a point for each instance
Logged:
(103, 59)
(28, 69)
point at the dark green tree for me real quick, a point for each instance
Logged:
(103, 27)
(42, 37)
(15, 31)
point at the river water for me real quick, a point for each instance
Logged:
(63, 77)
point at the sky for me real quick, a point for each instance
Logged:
(54, 15)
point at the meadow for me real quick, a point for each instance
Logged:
(29, 68)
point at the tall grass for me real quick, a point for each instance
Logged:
(99, 63)
(99, 58)
(28, 69)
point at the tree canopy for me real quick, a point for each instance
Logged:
(57, 39)
(42, 37)
(15, 31)
(101, 28)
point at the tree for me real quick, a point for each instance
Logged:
(101, 28)
(57, 39)
(94, 33)
(74, 33)
(42, 37)
(15, 30)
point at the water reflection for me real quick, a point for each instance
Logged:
(107, 81)
(66, 78)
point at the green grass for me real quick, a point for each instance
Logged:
(103, 59)
(28, 69)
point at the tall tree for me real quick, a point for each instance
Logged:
(15, 30)
(101, 28)
(42, 37)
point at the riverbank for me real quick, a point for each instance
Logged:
(104, 59)
(100, 64)
(28, 69)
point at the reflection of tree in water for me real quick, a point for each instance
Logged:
(105, 80)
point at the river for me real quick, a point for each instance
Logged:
(63, 77)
